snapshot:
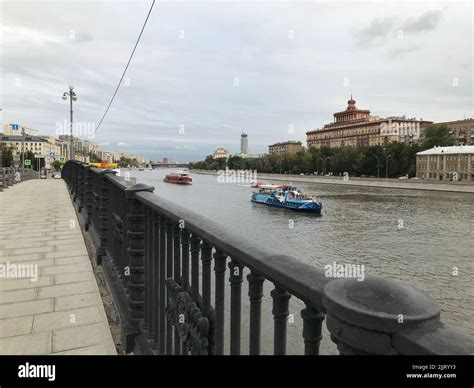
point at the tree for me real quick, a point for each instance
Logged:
(7, 155)
(437, 135)
(57, 165)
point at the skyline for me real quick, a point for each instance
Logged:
(179, 95)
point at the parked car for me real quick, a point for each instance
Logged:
(403, 177)
(56, 176)
(43, 176)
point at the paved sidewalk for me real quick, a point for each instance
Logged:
(61, 312)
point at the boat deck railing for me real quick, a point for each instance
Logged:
(177, 279)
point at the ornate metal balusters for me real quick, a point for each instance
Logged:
(146, 321)
(156, 282)
(312, 325)
(162, 285)
(255, 296)
(88, 197)
(235, 280)
(195, 250)
(185, 237)
(177, 278)
(220, 260)
(104, 214)
(149, 268)
(169, 274)
(177, 254)
(206, 258)
(280, 315)
(136, 236)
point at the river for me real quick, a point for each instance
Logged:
(423, 238)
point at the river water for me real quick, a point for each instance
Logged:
(423, 238)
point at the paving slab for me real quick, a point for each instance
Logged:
(62, 311)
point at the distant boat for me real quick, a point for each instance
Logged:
(256, 184)
(179, 177)
(286, 197)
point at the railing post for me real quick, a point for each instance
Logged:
(75, 179)
(6, 177)
(12, 176)
(363, 316)
(220, 260)
(235, 279)
(87, 197)
(312, 327)
(255, 296)
(104, 213)
(2, 179)
(135, 252)
(82, 191)
(280, 312)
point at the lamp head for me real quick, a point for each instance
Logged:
(64, 96)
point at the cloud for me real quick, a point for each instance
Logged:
(82, 37)
(186, 148)
(375, 32)
(399, 52)
(425, 22)
(187, 83)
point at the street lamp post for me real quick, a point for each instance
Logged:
(386, 165)
(378, 169)
(72, 97)
(324, 164)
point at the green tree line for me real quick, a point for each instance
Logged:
(396, 159)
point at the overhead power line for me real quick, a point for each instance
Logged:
(126, 67)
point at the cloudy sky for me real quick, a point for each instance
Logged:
(206, 71)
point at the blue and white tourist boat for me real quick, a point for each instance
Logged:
(286, 197)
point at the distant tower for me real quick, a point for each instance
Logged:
(244, 144)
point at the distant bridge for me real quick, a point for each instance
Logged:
(171, 165)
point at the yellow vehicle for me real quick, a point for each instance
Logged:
(104, 165)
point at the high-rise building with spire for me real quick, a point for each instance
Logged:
(244, 144)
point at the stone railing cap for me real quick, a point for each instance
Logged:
(379, 304)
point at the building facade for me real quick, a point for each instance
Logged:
(289, 147)
(47, 148)
(220, 153)
(355, 127)
(461, 130)
(454, 163)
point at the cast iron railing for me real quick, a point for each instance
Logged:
(159, 260)
(11, 175)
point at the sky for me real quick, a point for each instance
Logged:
(204, 72)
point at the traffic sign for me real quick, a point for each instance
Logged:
(52, 155)
(27, 162)
(16, 157)
(61, 159)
